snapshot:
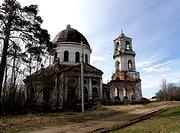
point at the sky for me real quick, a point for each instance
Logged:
(153, 25)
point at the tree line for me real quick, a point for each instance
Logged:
(24, 47)
(168, 92)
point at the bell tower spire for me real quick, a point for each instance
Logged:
(121, 31)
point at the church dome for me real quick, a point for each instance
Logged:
(70, 35)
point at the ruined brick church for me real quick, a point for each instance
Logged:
(58, 85)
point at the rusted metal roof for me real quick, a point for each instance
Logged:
(70, 35)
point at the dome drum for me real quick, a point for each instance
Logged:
(68, 44)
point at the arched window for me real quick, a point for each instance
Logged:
(130, 67)
(116, 92)
(128, 47)
(86, 58)
(66, 56)
(124, 92)
(95, 92)
(117, 78)
(116, 45)
(117, 66)
(85, 83)
(94, 82)
(55, 56)
(77, 57)
(133, 98)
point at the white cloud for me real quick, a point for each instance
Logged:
(141, 64)
(152, 60)
(164, 75)
(165, 63)
(160, 68)
(97, 60)
(157, 69)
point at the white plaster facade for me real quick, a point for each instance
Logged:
(72, 48)
(123, 62)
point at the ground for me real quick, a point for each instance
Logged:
(167, 122)
(98, 118)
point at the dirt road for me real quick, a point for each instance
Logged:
(108, 123)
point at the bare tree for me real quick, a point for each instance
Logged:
(168, 91)
(164, 86)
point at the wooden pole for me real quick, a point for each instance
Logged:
(82, 77)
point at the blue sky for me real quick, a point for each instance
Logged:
(154, 26)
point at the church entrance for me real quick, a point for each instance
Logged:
(71, 98)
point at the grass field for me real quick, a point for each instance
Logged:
(29, 122)
(166, 122)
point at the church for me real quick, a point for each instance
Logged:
(59, 84)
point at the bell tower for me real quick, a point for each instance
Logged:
(124, 56)
(125, 82)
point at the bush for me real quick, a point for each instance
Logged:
(144, 101)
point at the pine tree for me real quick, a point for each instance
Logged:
(22, 24)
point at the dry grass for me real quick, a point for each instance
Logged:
(30, 121)
(127, 108)
(124, 108)
(33, 121)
